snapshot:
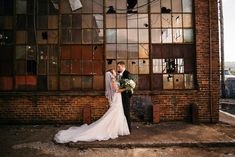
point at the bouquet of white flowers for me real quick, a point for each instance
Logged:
(128, 84)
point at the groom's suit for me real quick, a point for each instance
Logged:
(126, 95)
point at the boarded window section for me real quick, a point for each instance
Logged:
(175, 63)
(79, 60)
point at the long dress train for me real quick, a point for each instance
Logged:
(112, 124)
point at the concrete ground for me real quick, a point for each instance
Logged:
(164, 139)
(172, 139)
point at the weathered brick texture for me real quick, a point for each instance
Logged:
(49, 109)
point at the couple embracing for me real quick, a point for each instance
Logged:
(116, 121)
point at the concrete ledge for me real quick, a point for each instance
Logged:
(152, 145)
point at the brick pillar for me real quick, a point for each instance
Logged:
(87, 114)
(156, 113)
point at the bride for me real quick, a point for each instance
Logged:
(109, 126)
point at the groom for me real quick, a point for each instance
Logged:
(126, 95)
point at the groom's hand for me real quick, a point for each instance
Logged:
(121, 90)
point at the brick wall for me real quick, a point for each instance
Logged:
(174, 105)
(49, 109)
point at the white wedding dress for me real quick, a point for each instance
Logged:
(112, 124)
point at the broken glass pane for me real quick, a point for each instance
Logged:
(111, 51)
(142, 7)
(143, 36)
(187, 20)
(143, 66)
(179, 65)
(110, 35)
(177, 36)
(133, 51)
(143, 21)
(121, 35)
(121, 21)
(156, 35)
(167, 81)
(121, 51)
(111, 21)
(166, 35)
(132, 21)
(188, 35)
(155, 7)
(133, 66)
(155, 21)
(143, 51)
(97, 6)
(188, 81)
(166, 20)
(187, 5)
(132, 36)
(176, 6)
(177, 20)
(157, 65)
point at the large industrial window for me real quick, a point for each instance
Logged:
(53, 48)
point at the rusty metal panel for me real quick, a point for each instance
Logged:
(65, 52)
(76, 52)
(143, 82)
(156, 51)
(87, 82)
(178, 81)
(53, 67)
(76, 82)
(98, 66)
(65, 67)
(65, 83)
(157, 81)
(87, 52)
(98, 82)
(52, 82)
(42, 67)
(76, 67)
(87, 67)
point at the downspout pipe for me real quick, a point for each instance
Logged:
(210, 62)
(221, 22)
